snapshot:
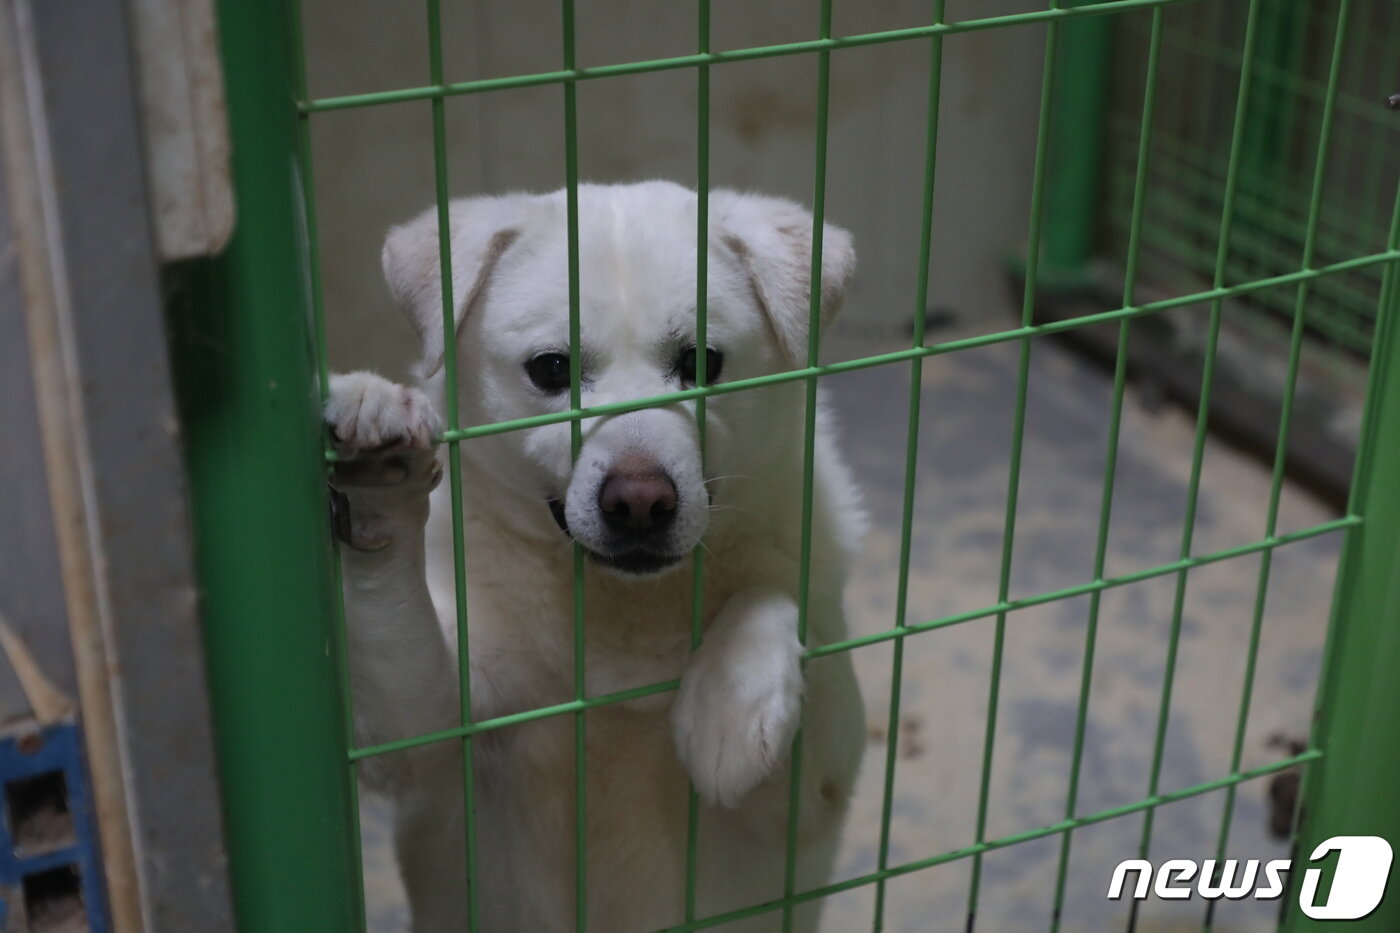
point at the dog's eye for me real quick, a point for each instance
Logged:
(714, 361)
(549, 371)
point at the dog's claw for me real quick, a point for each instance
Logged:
(361, 534)
(339, 512)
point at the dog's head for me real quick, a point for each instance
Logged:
(636, 497)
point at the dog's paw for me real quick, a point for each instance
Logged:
(368, 414)
(385, 463)
(383, 432)
(740, 697)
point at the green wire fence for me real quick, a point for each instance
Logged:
(1294, 90)
(294, 846)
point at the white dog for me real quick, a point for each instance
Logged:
(639, 499)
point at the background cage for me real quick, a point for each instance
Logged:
(1291, 80)
(1230, 276)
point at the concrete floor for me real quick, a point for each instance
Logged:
(959, 510)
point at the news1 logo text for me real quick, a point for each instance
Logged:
(1359, 879)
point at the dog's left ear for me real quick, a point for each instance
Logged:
(773, 239)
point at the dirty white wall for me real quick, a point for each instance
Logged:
(374, 166)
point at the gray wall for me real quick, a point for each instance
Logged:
(374, 166)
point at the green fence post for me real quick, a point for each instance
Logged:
(1270, 123)
(243, 353)
(1076, 148)
(1351, 791)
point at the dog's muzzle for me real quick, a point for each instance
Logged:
(636, 512)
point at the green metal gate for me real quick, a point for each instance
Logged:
(248, 336)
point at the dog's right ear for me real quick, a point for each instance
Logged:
(481, 230)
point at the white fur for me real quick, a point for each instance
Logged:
(730, 725)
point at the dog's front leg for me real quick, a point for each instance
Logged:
(740, 696)
(403, 680)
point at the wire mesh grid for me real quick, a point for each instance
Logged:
(1292, 87)
(1325, 255)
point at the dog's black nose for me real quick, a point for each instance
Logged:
(637, 502)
